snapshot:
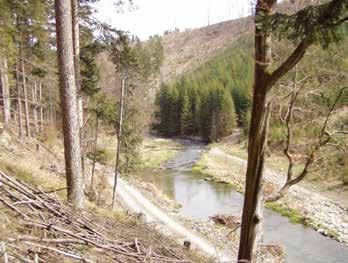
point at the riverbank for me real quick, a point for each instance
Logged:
(156, 151)
(223, 238)
(301, 205)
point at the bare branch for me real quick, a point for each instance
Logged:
(324, 139)
(290, 62)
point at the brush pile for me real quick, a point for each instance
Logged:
(35, 226)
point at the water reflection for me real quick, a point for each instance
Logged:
(201, 199)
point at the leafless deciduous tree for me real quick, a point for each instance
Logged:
(323, 138)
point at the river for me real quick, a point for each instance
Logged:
(200, 199)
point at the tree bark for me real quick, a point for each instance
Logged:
(34, 103)
(25, 91)
(41, 108)
(251, 229)
(119, 137)
(68, 100)
(19, 103)
(76, 44)
(6, 101)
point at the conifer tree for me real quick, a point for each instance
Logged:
(186, 116)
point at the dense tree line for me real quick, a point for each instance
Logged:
(184, 110)
(211, 101)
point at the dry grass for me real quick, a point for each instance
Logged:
(156, 151)
(43, 227)
(42, 170)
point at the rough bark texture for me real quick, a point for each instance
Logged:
(251, 230)
(5, 91)
(75, 182)
(76, 45)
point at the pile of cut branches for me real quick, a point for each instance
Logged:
(36, 226)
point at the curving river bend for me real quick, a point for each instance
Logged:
(201, 199)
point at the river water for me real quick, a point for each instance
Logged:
(200, 199)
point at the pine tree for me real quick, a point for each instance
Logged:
(186, 116)
(174, 112)
(71, 128)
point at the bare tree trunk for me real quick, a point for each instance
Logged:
(119, 137)
(76, 44)
(70, 120)
(34, 103)
(264, 80)
(19, 102)
(95, 150)
(5, 91)
(25, 91)
(251, 229)
(41, 108)
(50, 106)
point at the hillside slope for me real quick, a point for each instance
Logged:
(186, 51)
(37, 225)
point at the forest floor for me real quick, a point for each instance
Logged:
(303, 204)
(37, 225)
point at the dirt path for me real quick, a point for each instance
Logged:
(325, 213)
(138, 203)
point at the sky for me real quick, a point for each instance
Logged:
(155, 16)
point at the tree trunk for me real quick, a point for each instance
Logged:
(25, 91)
(6, 101)
(76, 44)
(68, 100)
(19, 103)
(251, 229)
(34, 103)
(41, 108)
(95, 150)
(119, 137)
(50, 106)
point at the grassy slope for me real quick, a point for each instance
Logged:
(41, 169)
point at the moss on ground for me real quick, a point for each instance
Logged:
(155, 152)
(294, 216)
(200, 167)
